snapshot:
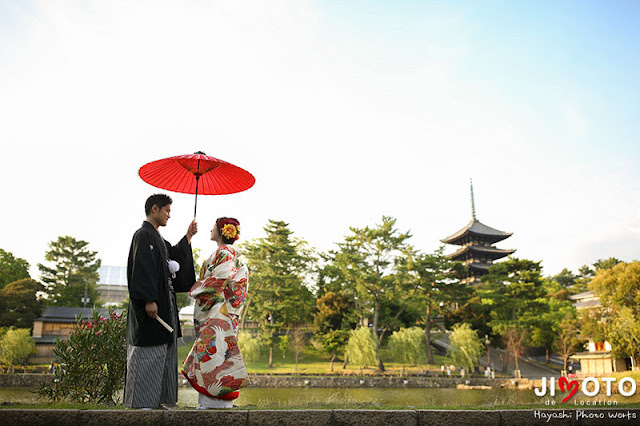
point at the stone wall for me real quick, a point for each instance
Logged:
(321, 417)
(23, 380)
(277, 381)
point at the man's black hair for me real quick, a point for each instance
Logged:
(160, 200)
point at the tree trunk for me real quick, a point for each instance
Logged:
(333, 358)
(271, 340)
(427, 334)
(244, 314)
(548, 355)
(346, 362)
(375, 334)
(271, 356)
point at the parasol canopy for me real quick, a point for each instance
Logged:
(196, 174)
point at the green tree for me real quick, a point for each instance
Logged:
(407, 346)
(73, 274)
(565, 278)
(279, 265)
(361, 347)
(249, 346)
(619, 290)
(298, 342)
(436, 287)
(12, 268)
(609, 263)
(367, 258)
(19, 304)
(586, 273)
(283, 344)
(334, 311)
(331, 341)
(623, 332)
(333, 319)
(16, 346)
(546, 327)
(466, 346)
(515, 292)
(567, 336)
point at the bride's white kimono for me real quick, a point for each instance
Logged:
(214, 367)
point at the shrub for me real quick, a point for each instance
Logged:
(16, 346)
(93, 361)
(361, 348)
(466, 346)
(249, 346)
(407, 346)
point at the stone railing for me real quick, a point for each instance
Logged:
(320, 417)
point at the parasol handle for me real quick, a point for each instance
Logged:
(195, 208)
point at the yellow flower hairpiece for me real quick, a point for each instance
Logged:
(229, 231)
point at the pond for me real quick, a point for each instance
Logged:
(357, 398)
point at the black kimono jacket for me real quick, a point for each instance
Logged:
(149, 280)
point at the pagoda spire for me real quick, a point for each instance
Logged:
(473, 203)
(477, 245)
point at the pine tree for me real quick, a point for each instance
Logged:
(277, 294)
(73, 274)
(12, 268)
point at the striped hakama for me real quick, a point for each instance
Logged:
(152, 376)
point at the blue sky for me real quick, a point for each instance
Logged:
(343, 111)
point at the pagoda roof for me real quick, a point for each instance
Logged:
(491, 252)
(477, 228)
(484, 267)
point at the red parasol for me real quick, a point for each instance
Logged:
(196, 173)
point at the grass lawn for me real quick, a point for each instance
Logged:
(311, 361)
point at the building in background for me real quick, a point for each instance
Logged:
(478, 250)
(112, 285)
(597, 360)
(55, 322)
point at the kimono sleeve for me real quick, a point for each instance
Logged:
(182, 254)
(143, 278)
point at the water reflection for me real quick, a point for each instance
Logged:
(412, 397)
(362, 398)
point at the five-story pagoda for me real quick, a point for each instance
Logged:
(477, 242)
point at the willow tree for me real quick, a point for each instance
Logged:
(361, 347)
(407, 346)
(279, 264)
(466, 346)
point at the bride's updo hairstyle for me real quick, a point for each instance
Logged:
(229, 229)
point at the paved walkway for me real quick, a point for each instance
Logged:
(528, 369)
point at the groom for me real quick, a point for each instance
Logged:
(152, 357)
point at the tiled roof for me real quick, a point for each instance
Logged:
(478, 228)
(64, 314)
(492, 252)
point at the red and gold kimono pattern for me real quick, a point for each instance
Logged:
(214, 367)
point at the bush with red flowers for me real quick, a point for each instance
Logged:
(92, 361)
